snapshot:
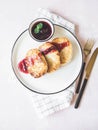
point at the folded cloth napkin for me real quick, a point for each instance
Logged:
(48, 104)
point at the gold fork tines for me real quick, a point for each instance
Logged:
(88, 46)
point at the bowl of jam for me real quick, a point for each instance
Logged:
(41, 29)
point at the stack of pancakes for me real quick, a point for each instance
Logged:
(49, 56)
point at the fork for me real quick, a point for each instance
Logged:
(87, 49)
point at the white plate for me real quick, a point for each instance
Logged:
(49, 83)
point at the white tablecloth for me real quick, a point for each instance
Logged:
(16, 108)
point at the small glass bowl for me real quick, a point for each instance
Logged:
(41, 29)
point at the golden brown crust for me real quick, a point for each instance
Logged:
(60, 39)
(37, 63)
(65, 51)
(52, 56)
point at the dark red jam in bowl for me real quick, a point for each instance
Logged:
(41, 30)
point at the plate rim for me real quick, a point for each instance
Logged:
(45, 93)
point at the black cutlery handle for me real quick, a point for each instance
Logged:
(81, 93)
(80, 78)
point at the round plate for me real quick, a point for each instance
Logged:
(49, 83)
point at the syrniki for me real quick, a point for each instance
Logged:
(64, 46)
(52, 56)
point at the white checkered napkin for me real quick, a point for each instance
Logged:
(48, 104)
(45, 13)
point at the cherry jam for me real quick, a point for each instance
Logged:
(26, 62)
(48, 50)
(42, 33)
(23, 66)
(60, 46)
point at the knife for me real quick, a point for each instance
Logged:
(88, 72)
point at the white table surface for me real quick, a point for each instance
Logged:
(16, 109)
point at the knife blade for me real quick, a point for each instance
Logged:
(88, 72)
(91, 63)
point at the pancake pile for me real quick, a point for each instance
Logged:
(47, 58)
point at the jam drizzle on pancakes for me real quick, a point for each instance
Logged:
(48, 50)
(60, 46)
(23, 64)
